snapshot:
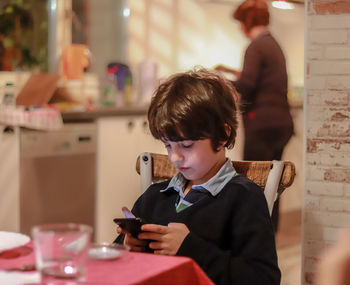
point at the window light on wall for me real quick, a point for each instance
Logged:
(282, 4)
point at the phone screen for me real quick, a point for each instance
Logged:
(127, 213)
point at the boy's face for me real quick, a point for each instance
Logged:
(195, 159)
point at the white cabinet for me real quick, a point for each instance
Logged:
(120, 141)
(9, 161)
(9, 179)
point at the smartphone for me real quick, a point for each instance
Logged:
(127, 213)
(131, 225)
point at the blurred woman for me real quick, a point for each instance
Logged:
(263, 86)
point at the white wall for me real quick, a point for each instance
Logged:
(179, 34)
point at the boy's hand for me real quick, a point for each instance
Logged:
(134, 243)
(165, 239)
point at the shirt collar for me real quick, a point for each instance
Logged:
(214, 185)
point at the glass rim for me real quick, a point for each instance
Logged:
(62, 227)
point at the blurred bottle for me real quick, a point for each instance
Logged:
(147, 81)
(123, 80)
(128, 91)
(109, 90)
(9, 95)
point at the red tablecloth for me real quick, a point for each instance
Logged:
(132, 268)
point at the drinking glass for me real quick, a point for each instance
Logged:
(61, 252)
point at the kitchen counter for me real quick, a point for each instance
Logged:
(91, 115)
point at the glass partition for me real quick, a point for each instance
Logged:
(102, 26)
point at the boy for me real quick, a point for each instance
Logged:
(207, 211)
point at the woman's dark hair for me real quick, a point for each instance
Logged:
(195, 105)
(252, 13)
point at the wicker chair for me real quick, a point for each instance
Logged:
(273, 176)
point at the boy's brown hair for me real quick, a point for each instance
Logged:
(252, 13)
(195, 105)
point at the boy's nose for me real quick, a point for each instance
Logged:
(176, 157)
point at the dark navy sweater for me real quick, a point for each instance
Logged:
(231, 235)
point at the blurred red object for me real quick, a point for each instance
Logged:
(16, 252)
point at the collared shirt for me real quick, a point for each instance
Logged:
(213, 186)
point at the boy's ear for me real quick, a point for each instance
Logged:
(228, 133)
(228, 130)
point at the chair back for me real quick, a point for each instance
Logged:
(273, 176)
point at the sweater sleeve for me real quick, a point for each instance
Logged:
(251, 257)
(247, 83)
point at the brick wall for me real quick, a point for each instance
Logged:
(326, 197)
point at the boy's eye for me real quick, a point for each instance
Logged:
(187, 144)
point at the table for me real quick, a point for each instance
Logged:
(132, 268)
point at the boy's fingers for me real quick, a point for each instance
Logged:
(136, 241)
(154, 228)
(163, 252)
(150, 236)
(137, 248)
